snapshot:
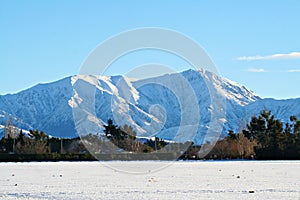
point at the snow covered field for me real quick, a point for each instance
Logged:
(151, 180)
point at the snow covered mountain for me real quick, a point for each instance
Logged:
(148, 105)
(43, 107)
(281, 109)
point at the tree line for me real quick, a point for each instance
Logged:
(264, 138)
(115, 138)
(276, 140)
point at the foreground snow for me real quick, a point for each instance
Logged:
(151, 180)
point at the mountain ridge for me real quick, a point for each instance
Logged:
(48, 106)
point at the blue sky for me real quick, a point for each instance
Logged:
(43, 41)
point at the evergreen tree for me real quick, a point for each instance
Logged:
(257, 129)
(274, 140)
(123, 137)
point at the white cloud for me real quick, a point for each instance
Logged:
(256, 70)
(260, 70)
(288, 56)
(293, 70)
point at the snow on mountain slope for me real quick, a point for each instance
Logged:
(155, 105)
(44, 107)
(151, 108)
(230, 89)
(1, 131)
(281, 109)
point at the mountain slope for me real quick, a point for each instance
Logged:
(43, 107)
(281, 109)
(159, 105)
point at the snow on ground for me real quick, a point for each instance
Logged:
(177, 180)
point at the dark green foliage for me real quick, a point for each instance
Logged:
(275, 141)
(125, 138)
(122, 137)
(232, 135)
(6, 145)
